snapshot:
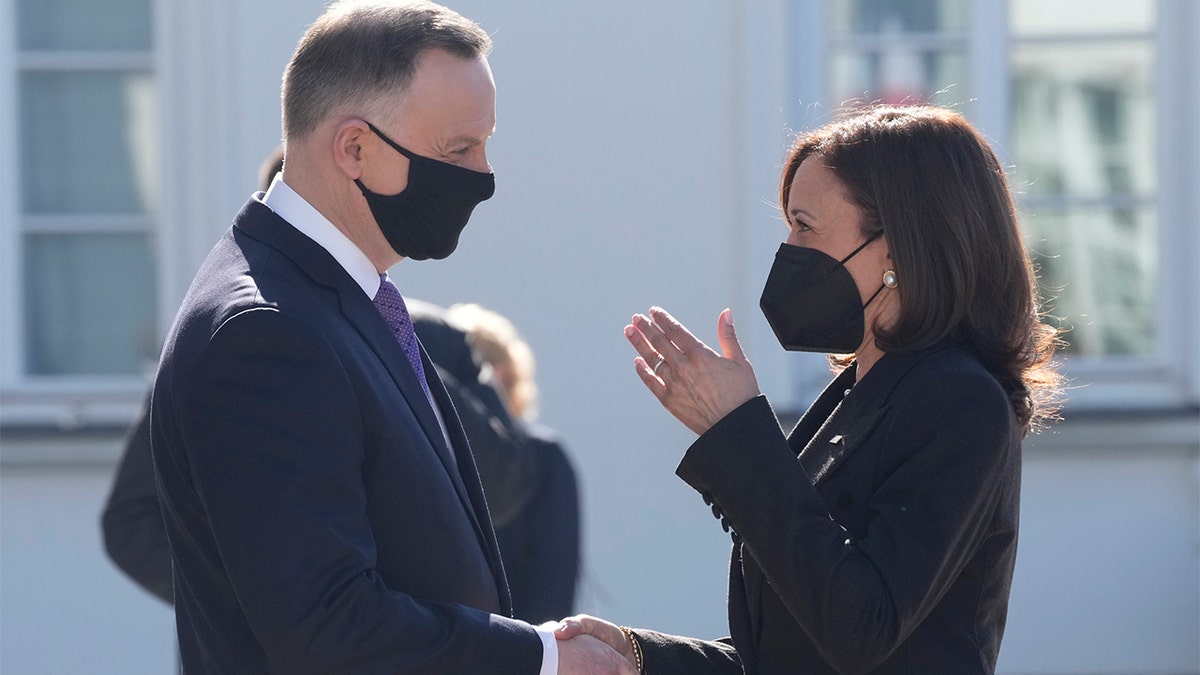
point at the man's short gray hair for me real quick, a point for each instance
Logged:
(359, 50)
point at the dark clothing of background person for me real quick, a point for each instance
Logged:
(523, 467)
(541, 544)
(529, 483)
(507, 466)
(918, 580)
(132, 523)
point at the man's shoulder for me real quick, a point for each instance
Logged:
(243, 273)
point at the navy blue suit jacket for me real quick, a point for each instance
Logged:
(317, 520)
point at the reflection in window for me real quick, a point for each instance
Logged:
(88, 186)
(1039, 18)
(1083, 122)
(898, 51)
(89, 139)
(909, 16)
(1096, 267)
(1083, 119)
(90, 308)
(84, 24)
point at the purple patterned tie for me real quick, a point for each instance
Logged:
(391, 305)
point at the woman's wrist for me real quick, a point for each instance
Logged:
(634, 649)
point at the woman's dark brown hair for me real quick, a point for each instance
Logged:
(932, 184)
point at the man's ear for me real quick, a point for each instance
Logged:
(348, 140)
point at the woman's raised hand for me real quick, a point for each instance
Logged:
(694, 383)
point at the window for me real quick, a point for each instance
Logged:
(1073, 95)
(79, 214)
(904, 51)
(1083, 133)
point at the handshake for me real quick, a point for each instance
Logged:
(590, 645)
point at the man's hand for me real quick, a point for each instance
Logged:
(586, 655)
(583, 626)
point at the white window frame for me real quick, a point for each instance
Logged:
(201, 134)
(64, 402)
(1169, 378)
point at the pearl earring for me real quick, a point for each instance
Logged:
(889, 279)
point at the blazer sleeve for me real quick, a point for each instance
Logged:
(664, 654)
(276, 440)
(947, 445)
(132, 523)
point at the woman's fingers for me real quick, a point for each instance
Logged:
(676, 333)
(727, 336)
(692, 381)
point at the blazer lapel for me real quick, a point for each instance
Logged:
(844, 416)
(818, 413)
(844, 432)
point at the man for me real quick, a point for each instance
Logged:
(321, 502)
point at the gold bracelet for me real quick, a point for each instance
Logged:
(637, 648)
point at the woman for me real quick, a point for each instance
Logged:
(879, 536)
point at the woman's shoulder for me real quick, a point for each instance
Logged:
(948, 376)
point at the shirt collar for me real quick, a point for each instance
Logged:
(289, 205)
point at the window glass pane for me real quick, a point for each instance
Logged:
(1083, 119)
(84, 24)
(89, 304)
(1098, 268)
(898, 16)
(898, 74)
(1075, 17)
(88, 142)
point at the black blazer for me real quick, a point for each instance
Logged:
(879, 537)
(317, 519)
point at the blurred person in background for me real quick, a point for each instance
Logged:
(541, 544)
(880, 535)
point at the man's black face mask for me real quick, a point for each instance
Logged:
(425, 220)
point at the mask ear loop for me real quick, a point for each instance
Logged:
(395, 146)
(861, 247)
(881, 287)
(854, 253)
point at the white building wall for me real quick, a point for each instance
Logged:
(636, 157)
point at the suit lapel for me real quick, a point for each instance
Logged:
(260, 222)
(361, 312)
